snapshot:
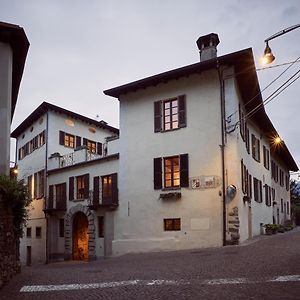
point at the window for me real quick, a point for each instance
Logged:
(101, 227)
(171, 172)
(268, 195)
(172, 224)
(257, 190)
(38, 232)
(242, 122)
(169, 114)
(61, 228)
(255, 148)
(106, 186)
(109, 189)
(38, 184)
(281, 205)
(41, 139)
(274, 171)
(69, 140)
(60, 196)
(29, 186)
(288, 207)
(287, 182)
(247, 138)
(281, 177)
(266, 157)
(91, 146)
(28, 232)
(80, 187)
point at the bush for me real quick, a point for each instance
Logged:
(15, 199)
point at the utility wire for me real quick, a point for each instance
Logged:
(270, 97)
(274, 80)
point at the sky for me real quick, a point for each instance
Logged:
(81, 47)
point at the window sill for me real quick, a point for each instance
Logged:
(78, 200)
(171, 189)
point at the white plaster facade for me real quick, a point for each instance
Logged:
(48, 120)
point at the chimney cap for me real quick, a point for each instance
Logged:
(206, 39)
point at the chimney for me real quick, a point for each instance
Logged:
(207, 45)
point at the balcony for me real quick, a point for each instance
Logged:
(55, 205)
(80, 154)
(110, 203)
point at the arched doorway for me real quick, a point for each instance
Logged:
(80, 237)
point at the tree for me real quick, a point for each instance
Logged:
(15, 200)
(295, 201)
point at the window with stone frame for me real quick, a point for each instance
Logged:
(266, 157)
(257, 184)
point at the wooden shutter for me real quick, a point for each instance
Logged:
(50, 198)
(99, 148)
(78, 141)
(19, 152)
(86, 179)
(157, 116)
(115, 196)
(71, 188)
(35, 185)
(260, 190)
(85, 142)
(96, 190)
(157, 167)
(64, 196)
(61, 137)
(181, 111)
(184, 170)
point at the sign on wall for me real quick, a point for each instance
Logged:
(205, 182)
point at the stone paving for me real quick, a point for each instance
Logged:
(266, 267)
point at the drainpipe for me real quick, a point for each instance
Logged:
(45, 188)
(222, 147)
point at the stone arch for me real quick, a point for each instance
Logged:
(68, 231)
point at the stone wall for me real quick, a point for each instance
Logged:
(234, 226)
(9, 247)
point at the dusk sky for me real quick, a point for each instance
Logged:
(80, 48)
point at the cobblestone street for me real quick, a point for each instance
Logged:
(265, 268)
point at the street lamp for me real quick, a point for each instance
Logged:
(268, 55)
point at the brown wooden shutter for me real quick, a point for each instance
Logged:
(50, 198)
(78, 141)
(64, 196)
(61, 137)
(85, 142)
(258, 149)
(181, 111)
(157, 116)
(184, 170)
(71, 188)
(96, 190)
(260, 190)
(35, 176)
(115, 196)
(86, 179)
(99, 148)
(157, 167)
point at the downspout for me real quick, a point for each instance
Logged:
(222, 147)
(45, 188)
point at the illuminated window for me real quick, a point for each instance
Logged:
(107, 186)
(80, 187)
(171, 172)
(91, 146)
(69, 140)
(172, 224)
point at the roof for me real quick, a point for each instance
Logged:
(16, 37)
(45, 106)
(246, 77)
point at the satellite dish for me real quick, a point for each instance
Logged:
(231, 192)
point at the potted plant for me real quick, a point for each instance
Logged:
(268, 229)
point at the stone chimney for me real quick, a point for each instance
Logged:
(207, 45)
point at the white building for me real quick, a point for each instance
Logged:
(13, 51)
(55, 138)
(195, 165)
(198, 163)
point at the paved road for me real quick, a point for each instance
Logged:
(266, 268)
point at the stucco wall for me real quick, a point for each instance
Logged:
(139, 225)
